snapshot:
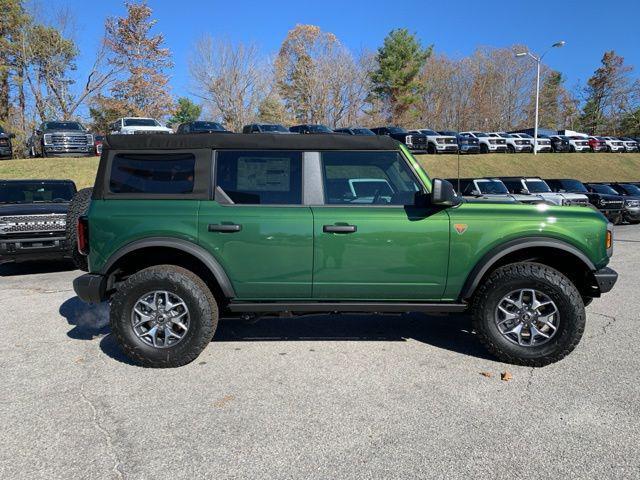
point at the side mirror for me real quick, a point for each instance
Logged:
(525, 191)
(443, 193)
(476, 193)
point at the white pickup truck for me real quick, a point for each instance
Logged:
(137, 125)
(487, 143)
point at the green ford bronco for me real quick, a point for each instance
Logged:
(182, 229)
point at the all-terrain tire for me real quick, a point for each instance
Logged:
(511, 149)
(545, 279)
(201, 303)
(484, 148)
(78, 207)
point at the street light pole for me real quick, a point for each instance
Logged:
(538, 61)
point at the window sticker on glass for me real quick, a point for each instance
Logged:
(264, 174)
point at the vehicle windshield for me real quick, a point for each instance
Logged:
(480, 134)
(319, 129)
(362, 131)
(426, 131)
(631, 189)
(573, 186)
(63, 126)
(397, 130)
(606, 189)
(526, 135)
(575, 137)
(206, 126)
(141, 122)
(537, 186)
(506, 135)
(35, 192)
(272, 128)
(494, 187)
(448, 132)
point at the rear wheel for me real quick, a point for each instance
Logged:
(511, 149)
(78, 207)
(528, 314)
(431, 149)
(484, 148)
(163, 316)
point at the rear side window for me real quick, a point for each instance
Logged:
(152, 174)
(260, 177)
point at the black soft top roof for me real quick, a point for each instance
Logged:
(250, 141)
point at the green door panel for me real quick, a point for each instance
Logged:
(116, 223)
(270, 257)
(397, 253)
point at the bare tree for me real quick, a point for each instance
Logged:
(230, 78)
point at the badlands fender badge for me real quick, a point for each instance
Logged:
(461, 228)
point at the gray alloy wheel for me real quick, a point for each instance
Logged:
(160, 319)
(527, 317)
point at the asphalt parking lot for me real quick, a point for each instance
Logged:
(313, 397)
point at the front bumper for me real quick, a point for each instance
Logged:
(446, 148)
(68, 149)
(497, 148)
(582, 148)
(605, 278)
(29, 249)
(523, 148)
(469, 148)
(632, 213)
(91, 288)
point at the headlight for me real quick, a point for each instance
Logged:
(493, 142)
(47, 139)
(439, 140)
(632, 203)
(90, 139)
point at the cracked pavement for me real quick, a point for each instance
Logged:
(313, 397)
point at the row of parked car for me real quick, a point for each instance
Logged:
(72, 138)
(619, 202)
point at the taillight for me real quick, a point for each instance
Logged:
(83, 235)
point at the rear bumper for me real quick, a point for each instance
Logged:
(91, 288)
(29, 249)
(605, 278)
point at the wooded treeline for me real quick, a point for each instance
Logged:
(313, 78)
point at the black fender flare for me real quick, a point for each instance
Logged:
(502, 250)
(179, 244)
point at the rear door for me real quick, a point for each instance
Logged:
(257, 226)
(371, 242)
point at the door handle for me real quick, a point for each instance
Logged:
(339, 229)
(224, 227)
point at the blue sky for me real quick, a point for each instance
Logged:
(454, 28)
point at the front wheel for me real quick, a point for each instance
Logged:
(163, 316)
(528, 314)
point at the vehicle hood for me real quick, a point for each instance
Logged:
(533, 198)
(10, 209)
(148, 129)
(571, 196)
(491, 198)
(65, 131)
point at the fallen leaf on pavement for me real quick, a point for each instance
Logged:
(506, 376)
(486, 374)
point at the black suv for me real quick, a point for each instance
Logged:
(201, 127)
(310, 128)
(610, 205)
(465, 144)
(265, 128)
(416, 141)
(33, 219)
(6, 150)
(355, 131)
(631, 195)
(558, 144)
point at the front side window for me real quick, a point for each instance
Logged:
(260, 177)
(367, 178)
(152, 173)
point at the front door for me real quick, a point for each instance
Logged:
(257, 227)
(371, 243)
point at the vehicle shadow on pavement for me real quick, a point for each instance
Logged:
(449, 332)
(30, 268)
